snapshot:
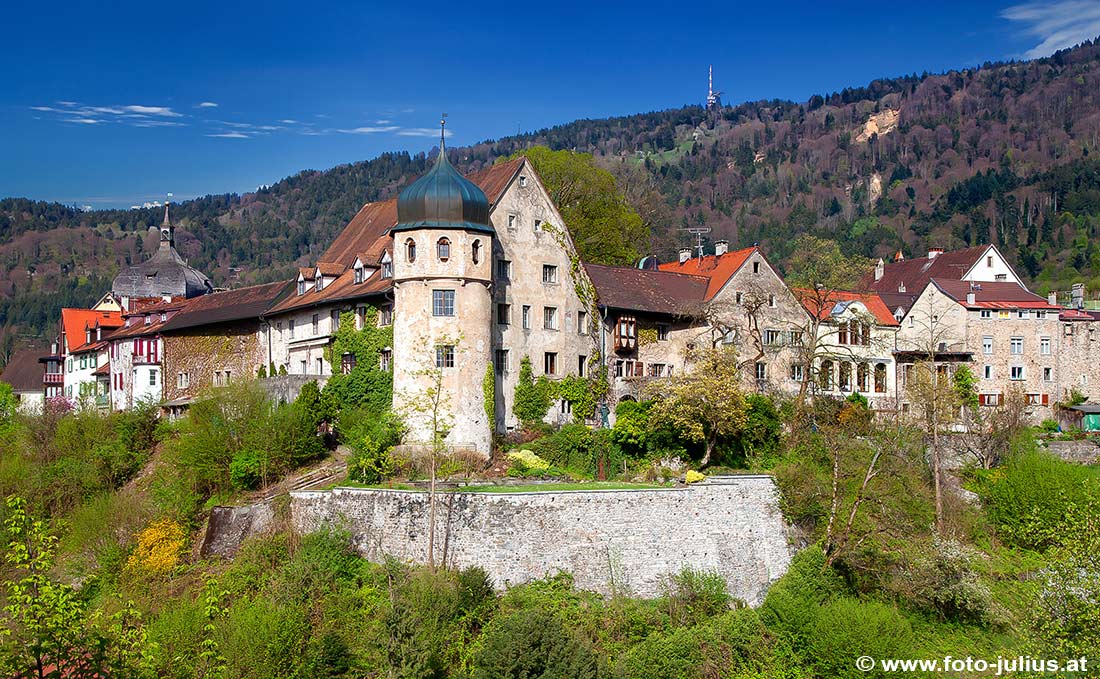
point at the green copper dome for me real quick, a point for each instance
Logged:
(443, 199)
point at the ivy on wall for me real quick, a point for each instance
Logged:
(489, 390)
(533, 397)
(366, 385)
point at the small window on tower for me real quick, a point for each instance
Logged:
(410, 250)
(475, 251)
(443, 249)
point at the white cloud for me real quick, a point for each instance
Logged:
(288, 121)
(230, 135)
(382, 122)
(152, 111)
(371, 130)
(84, 121)
(1056, 25)
(423, 132)
(207, 104)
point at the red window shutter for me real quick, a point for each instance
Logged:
(1046, 399)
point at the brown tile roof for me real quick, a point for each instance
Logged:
(718, 269)
(995, 295)
(330, 268)
(824, 307)
(307, 272)
(230, 305)
(915, 273)
(664, 292)
(23, 371)
(342, 289)
(368, 231)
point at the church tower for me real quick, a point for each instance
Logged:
(442, 334)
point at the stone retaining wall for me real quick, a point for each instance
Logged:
(610, 540)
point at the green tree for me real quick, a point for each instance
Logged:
(532, 398)
(604, 227)
(532, 644)
(705, 404)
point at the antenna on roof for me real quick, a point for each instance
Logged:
(697, 232)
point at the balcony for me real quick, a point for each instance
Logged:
(146, 360)
(53, 378)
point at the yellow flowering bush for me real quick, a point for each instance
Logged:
(693, 476)
(528, 460)
(159, 546)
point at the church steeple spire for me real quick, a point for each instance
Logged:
(167, 232)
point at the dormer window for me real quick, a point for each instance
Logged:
(410, 250)
(475, 251)
(301, 287)
(148, 319)
(443, 249)
(319, 284)
(358, 275)
(901, 287)
(387, 266)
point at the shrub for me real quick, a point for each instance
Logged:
(532, 643)
(1029, 496)
(693, 476)
(246, 471)
(733, 644)
(159, 547)
(631, 430)
(943, 581)
(845, 629)
(692, 596)
(759, 439)
(526, 462)
(372, 440)
(532, 397)
(791, 606)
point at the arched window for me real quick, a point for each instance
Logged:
(861, 376)
(443, 249)
(880, 378)
(845, 376)
(410, 250)
(475, 251)
(825, 376)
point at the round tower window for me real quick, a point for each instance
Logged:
(410, 250)
(443, 249)
(475, 251)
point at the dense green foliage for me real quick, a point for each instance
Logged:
(366, 385)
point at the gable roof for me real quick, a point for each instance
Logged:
(342, 289)
(23, 371)
(230, 305)
(993, 295)
(74, 323)
(368, 231)
(834, 302)
(915, 273)
(717, 269)
(664, 292)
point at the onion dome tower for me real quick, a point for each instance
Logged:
(442, 335)
(165, 274)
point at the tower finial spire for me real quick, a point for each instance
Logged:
(442, 133)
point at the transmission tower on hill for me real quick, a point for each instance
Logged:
(714, 99)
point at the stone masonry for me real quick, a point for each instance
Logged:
(610, 540)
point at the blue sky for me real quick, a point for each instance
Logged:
(117, 106)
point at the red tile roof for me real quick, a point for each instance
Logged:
(827, 303)
(342, 289)
(915, 273)
(993, 295)
(75, 321)
(330, 268)
(718, 269)
(662, 292)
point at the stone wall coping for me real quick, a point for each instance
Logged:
(351, 490)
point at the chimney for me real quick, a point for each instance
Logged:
(1052, 298)
(971, 298)
(880, 269)
(721, 247)
(685, 254)
(1077, 295)
(898, 256)
(934, 252)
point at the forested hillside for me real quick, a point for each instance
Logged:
(1005, 153)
